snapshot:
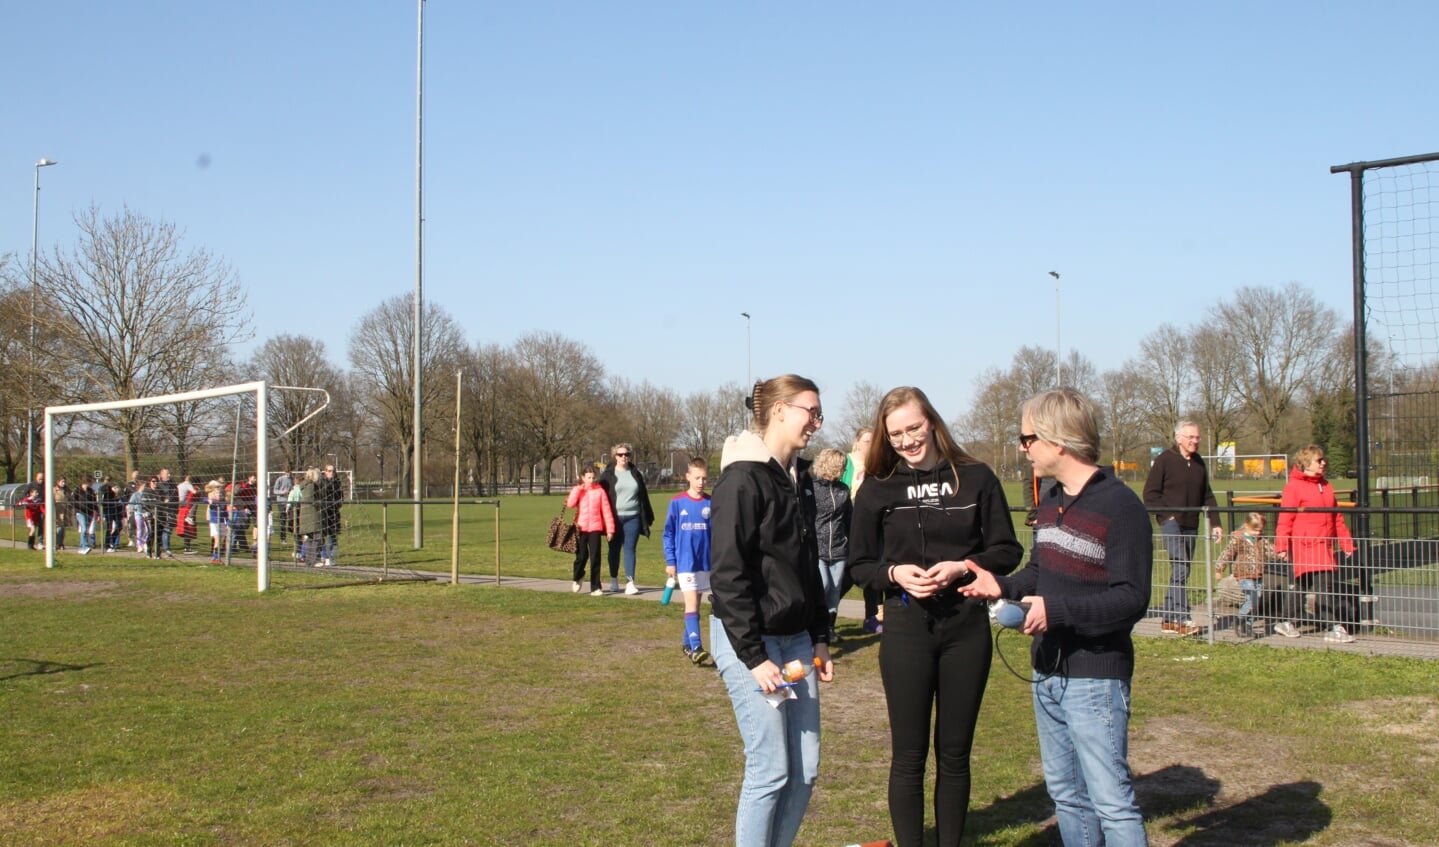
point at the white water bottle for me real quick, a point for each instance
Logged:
(669, 591)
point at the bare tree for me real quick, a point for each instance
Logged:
(486, 426)
(556, 387)
(300, 362)
(382, 358)
(1164, 365)
(14, 369)
(1281, 337)
(655, 418)
(1081, 374)
(861, 401)
(139, 316)
(1122, 400)
(710, 416)
(1032, 370)
(1218, 408)
(993, 421)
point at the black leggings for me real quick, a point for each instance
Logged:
(587, 546)
(941, 664)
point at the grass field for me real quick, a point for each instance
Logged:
(170, 704)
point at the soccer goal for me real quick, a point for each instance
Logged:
(217, 447)
(198, 421)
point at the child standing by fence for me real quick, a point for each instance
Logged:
(1246, 554)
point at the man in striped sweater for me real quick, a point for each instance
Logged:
(1086, 585)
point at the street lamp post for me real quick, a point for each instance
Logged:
(1058, 348)
(417, 475)
(748, 369)
(34, 295)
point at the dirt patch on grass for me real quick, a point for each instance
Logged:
(103, 813)
(1414, 719)
(58, 590)
(1207, 784)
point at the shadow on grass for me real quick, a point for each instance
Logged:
(15, 668)
(1185, 796)
(1288, 814)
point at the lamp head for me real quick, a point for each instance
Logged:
(1054, 274)
(45, 163)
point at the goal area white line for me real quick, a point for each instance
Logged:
(262, 505)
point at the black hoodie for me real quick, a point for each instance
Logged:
(764, 565)
(914, 517)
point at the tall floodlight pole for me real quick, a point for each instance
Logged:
(416, 463)
(1058, 348)
(748, 368)
(34, 297)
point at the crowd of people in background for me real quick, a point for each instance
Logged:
(929, 540)
(148, 513)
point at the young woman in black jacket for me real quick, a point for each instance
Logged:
(928, 511)
(769, 610)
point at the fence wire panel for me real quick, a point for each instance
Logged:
(1386, 596)
(1400, 244)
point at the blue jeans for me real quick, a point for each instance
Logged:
(1250, 587)
(86, 529)
(627, 534)
(781, 745)
(1179, 543)
(1083, 729)
(831, 573)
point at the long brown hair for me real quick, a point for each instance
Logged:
(882, 458)
(778, 389)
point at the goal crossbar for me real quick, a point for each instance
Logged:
(262, 505)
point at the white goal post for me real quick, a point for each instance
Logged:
(262, 506)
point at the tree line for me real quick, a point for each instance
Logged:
(129, 311)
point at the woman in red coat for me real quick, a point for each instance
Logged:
(185, 518)
(1307, 539)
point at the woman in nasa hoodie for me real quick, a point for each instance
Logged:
(927, 511)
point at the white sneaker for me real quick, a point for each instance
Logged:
(1339, 635)
(614, 586)
(598, 592)
(630, 587)
(575, 586)
(1287, 629)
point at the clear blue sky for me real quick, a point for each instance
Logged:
(884, 188)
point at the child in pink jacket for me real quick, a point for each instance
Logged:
(594, 519)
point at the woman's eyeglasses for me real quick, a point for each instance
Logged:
(814, 413)
(914, 432)
(1026, 439)
(622, 455)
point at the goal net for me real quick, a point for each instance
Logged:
(212, 450)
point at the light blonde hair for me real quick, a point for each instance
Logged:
(1065, 417)
(1308, 454)
(1255, 521)
(829, 464)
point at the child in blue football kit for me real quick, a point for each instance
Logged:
(687, 551)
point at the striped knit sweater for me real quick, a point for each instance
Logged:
(1091, 563)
